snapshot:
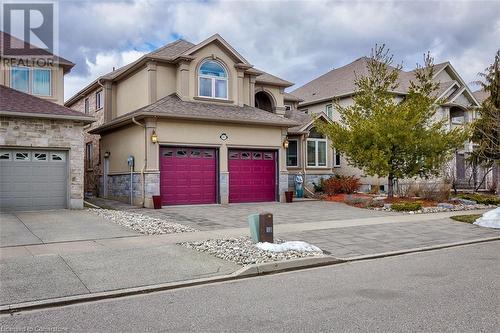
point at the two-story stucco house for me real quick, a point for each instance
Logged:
(41, 141)
(457, 106)
(192, 123)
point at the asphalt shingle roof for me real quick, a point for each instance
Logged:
(18, 46)
(14, 101)
(341, 81)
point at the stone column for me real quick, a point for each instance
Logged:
(152, 168)
(283, 173)
(223, 175)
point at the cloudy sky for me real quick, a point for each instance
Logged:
(295, 40)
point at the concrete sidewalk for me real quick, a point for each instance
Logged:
(39, 277)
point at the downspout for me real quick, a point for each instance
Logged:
(145, 159)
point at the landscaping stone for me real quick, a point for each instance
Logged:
(438, 209)
(464, 201)
(243, 251)
(142, 223)
(445, 205)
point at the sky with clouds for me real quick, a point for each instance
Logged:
(295, 40)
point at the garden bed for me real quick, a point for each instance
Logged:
(243, 251)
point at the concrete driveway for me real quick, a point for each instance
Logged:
(41, 227)
(212, 217)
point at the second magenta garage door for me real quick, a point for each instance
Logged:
(188, 175)
(252, 176)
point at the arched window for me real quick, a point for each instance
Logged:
(212, 80)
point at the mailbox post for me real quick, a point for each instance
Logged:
(266, 227)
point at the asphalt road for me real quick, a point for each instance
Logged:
(450, 290)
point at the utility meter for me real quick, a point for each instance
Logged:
(130, 161)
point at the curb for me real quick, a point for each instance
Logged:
(244, 272)
(419, 249)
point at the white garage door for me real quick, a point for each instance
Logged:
(33, 180)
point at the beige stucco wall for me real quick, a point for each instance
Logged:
(200, 134)
(166, 76)
(443, 76)
(49, 134)
(132, 92)
(57, 77)
(122, 143)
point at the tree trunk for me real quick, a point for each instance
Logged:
(390, 186)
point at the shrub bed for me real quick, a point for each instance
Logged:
(481, 198)
(406, 206)
(341, 184)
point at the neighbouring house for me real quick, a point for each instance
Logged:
(41, 141)
(457, 105)
(191, 123)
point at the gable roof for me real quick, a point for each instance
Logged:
(173, 107)
(19, 104)
(18, 53)
(304, 120)
(481, 95)
(291, 97)
(171, 53)
(340, 82)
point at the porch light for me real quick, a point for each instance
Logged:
(285, 144)
(106, 154)
(154, 137)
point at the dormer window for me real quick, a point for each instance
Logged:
(212, 80)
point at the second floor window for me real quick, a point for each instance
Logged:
(87, 105)
(329, 110)
(212, 80)
(36, 81)
(99, 100)
(20, 79)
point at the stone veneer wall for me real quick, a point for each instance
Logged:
(49, 133)
(119, 187)
(92, 175)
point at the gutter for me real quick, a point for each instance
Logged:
(143, 191)
(85, 119)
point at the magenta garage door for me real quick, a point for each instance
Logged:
(252, 176)
(187, 175)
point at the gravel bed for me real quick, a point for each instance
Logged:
(436, 209)
(242, 251)
(142, 223)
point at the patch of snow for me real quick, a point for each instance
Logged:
(490, 219)
(298, 246)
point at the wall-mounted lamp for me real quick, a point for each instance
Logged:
(154, 137)
(106, 154)
(285, 144)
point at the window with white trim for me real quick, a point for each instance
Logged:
(99, 99)
(212, 80)
(336, 158)
(316, 149)
(292, 153)
(329, 110)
